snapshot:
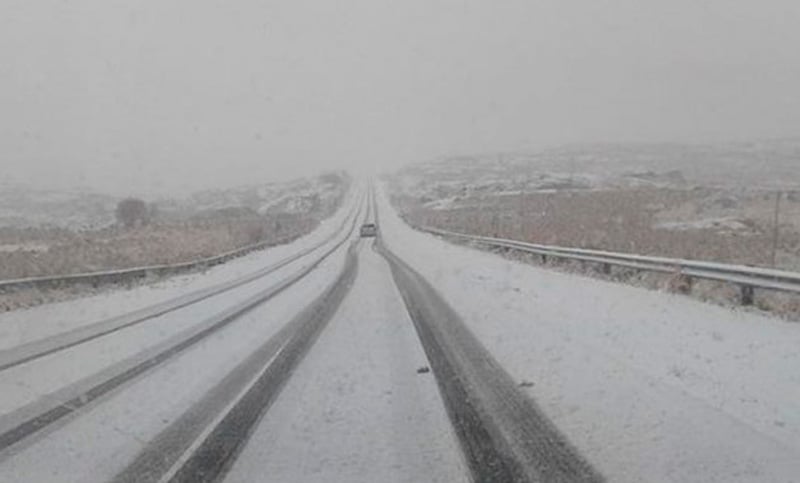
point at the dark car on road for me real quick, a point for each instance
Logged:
(369, 230)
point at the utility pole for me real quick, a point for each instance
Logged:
(775, 226)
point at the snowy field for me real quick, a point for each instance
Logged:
(24, 325)
(650, 386)
(356, 409)
(127, 420)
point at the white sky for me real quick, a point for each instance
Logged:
(163, 95)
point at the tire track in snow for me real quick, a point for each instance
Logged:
(39, 348)
(186, 452)
(504, 435)
(41, 415)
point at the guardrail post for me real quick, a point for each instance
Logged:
(747, 294)
(544, 258)
(605, 268)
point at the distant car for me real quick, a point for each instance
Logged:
(369, 229)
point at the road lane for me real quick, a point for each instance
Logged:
(648, 386)
(28, 325)
(108, 435)
(362, 406)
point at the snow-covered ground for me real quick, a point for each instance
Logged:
(356, 410)
(23, 247)
(31, 206)
(28, 206)
(649, 386)
(770, 164)
(109, 433)
(104, 439)
(28, 382)
(25, 325)
(726, 223)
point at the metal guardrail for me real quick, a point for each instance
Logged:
(129, 274)
(747, 278)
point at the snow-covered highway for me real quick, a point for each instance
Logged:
(357, 409)
(649, 386)
(402, 358)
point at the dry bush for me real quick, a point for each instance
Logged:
(615, 220)
(679, 282)
(164, 243)
(622, 221)
(132, 211)
(52, 251)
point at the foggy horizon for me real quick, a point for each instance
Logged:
(180, 96)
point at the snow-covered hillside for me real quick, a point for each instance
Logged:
(24, 206)
(299, 196)
(686, 201)
(769, 165)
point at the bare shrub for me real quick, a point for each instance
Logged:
(680, 283)
(625, 220)
(132, 212)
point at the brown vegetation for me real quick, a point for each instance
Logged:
(628, 221)
(142, 237)
(615, 220)
(131, 212)
(153, 244)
